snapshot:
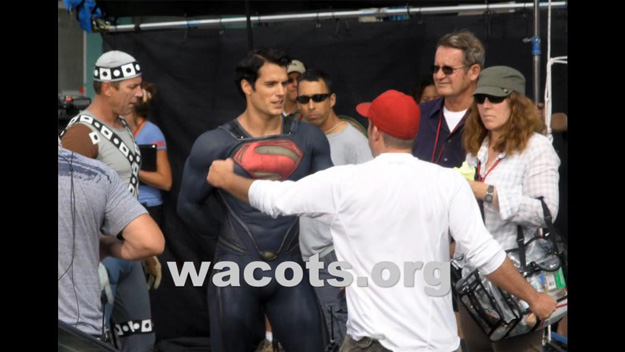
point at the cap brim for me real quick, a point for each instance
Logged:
(490, 90)
(363, 109)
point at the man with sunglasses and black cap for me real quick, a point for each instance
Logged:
(458, 61)
(347, 146)
(393, 209)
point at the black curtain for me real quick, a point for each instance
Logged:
(194, 69)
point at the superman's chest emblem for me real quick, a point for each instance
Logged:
(269, 160)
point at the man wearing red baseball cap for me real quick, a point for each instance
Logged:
(401, 221)
(394, 115)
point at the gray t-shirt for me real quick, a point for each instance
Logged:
(94, 196)
(346, 147)
(349, 147)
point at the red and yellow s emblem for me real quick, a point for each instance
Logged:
(269, 160)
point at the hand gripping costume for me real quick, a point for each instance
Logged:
(246, 235)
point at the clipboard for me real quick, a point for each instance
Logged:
(148, 157)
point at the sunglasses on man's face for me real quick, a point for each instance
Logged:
(317, 98)
(480, 98)
(446, 69)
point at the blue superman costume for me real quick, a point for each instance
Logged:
(246, 235)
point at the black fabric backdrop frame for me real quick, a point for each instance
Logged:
(194, 69)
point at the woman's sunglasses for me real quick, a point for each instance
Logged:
(479, 98)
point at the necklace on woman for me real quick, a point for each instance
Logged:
(334, 127)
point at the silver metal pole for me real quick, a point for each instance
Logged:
(248, 22)
(84, 63)
(381, 12)
(536, 52)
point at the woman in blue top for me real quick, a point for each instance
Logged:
(147, 133)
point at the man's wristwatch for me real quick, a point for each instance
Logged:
(489, 194)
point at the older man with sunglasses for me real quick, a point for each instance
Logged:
(458, 61)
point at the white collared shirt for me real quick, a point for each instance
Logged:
(394, 208)
(520, 178)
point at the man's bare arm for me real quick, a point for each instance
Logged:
(508, 278)
(142, 238)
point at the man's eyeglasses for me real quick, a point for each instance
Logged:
(317, 98)
(480, 98)
(446, 69)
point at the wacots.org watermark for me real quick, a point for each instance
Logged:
(383, 274)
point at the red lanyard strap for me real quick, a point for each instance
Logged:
(438, 133)
(479, 174)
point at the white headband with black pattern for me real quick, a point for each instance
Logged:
(112, 74)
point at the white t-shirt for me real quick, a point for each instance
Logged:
(453, 117)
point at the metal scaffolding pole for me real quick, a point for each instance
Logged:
(536, 52)
(381, 12)
(248, 21)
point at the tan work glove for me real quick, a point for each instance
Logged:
(152, 267)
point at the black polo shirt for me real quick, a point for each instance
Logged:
(449, 151)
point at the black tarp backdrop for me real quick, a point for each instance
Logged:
(193, 70)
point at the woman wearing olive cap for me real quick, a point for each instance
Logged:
(515, 163)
